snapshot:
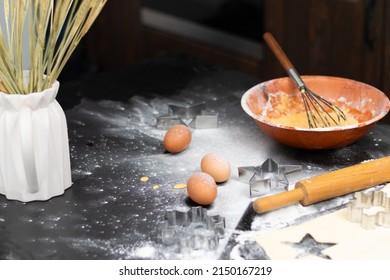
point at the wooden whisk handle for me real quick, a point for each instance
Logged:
(278, 52)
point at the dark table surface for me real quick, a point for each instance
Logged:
(109, 213)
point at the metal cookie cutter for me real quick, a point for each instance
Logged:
(370, 209)
(194, 116)
(191, 230)
(270, 175)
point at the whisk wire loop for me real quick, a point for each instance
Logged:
(319, 111)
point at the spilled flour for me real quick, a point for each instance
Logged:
(113, 213)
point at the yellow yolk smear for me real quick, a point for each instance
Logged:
(289, 110)
(180, 186)
(300, 120)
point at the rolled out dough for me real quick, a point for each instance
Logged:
(352, 241)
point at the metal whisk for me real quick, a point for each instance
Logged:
(318, 109)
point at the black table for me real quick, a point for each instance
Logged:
(110, 213)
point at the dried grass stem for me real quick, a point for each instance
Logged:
(55, 28)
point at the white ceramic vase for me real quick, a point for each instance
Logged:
(34, 146)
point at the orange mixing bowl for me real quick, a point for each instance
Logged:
(364, 102)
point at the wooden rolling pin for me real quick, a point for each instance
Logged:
(329, 185)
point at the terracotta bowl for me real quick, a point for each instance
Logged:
(364, 102)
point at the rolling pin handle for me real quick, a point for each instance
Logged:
(268, 203)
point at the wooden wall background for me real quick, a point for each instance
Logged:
(347, 38)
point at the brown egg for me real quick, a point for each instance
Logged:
(177, 138)
(201, 188)
(216, 166)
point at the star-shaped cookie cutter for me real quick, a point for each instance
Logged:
(191, 230)
(263, 178)
(370, 209)
(194, 116)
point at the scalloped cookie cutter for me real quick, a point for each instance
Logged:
(370, 209)
(191, 230)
